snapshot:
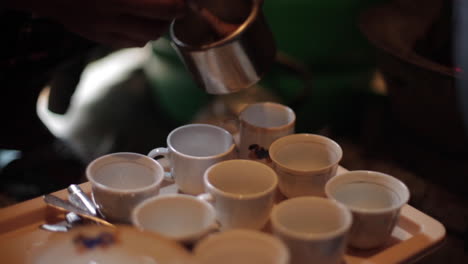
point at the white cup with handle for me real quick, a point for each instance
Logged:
(242, 193)
(120, 181)
(191, 149)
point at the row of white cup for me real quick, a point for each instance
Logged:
(240, 193)
(303, 164)
(190, 150)
(361, 211)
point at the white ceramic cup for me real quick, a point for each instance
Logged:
(240, 246)
(179, 217)
(375, 199)
(242, 193)
(304, 163)
(191, 149)
(314, 229)
(259, 125)
(119, 181)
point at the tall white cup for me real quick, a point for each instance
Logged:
(242, 193)
(314, 229)
(304, 163)
(375, 199)
(240, 246)
(191, 149)
(259, 125)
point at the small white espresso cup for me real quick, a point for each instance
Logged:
(244, 246)
(179, 217)
(304, 163)
(191, 149)
(242, 193)
(375, 199)
(120, 181)
(259, 125)
(314, 229)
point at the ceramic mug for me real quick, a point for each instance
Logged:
(242, 193)
(375, 199)
(191, 149)
(241, 246)
(259, 125)
(120, 181)
(315, 229)
(179, 217)
(304, 163)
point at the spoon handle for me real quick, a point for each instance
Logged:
(78, 198)
(65, 206)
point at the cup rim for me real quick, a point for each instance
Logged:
(359, 176)
(156, 183)
(314, 137)
(254, 13)
(277, 105)
(219, 155)
(183, 238)
(216, 190)
(205, 244)
(311, 236)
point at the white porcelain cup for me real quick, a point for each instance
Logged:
(191, 149)
(179, 217)
(314, 229)
(241, 246)
(242, 193)
(120, 181)
(259, 125)
(304, 163)
(375, 199)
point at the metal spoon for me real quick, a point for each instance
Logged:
(78, 198)
(66, 206)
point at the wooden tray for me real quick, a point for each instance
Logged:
(415, 236)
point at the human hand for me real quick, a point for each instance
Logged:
(117, 23)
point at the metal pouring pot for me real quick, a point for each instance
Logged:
(230, 63)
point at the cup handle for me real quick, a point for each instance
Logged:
(215, 227)
(162, 152)
(207, 197)
(231, 123)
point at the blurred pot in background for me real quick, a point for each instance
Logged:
(415, 56)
